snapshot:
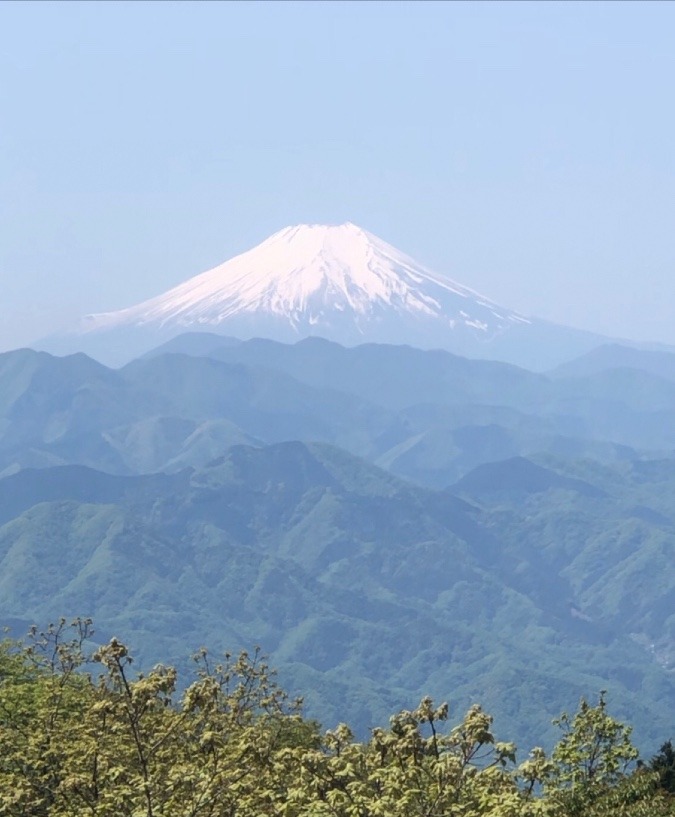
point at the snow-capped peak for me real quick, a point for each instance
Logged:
(314, 278)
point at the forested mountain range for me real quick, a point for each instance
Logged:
(428, 416)
(385, 522)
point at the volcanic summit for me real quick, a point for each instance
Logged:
(339, 282)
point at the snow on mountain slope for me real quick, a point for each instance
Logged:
(340, 281)
(337, 282)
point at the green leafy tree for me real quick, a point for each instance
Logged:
(664, 764)
(412, 769)
(85, 735)
(594, 754)
(41, 695)
(110, 743)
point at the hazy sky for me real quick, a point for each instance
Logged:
(526, 150)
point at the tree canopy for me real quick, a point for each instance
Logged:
(84, 735)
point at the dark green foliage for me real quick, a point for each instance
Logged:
(664, 764)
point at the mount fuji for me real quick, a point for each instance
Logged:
(338, 282)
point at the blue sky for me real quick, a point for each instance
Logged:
(524, 149)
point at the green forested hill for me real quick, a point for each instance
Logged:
(368, 592)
